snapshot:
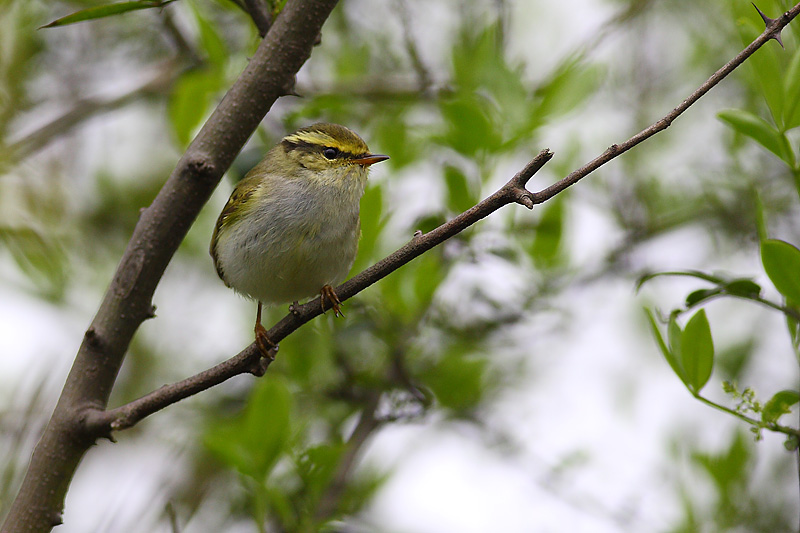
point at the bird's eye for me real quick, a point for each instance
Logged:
(330, 153)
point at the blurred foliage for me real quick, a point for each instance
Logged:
(422, 344)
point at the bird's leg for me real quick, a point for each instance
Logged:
(327, 293)
(265, 345)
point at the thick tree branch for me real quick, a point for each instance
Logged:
(249, 359)
(161, 228)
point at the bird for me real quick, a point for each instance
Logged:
(291, 226)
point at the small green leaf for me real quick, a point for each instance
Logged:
(255, 440)
(674, 335)
(697, 351)
(791, 88)
(743, 288)
(457, 380)
(780, 404)
(469, 128)
(673, 361)
(459, 197)
(698, 296)
(782, 264)
(190, 100)
(549, 231)
(687, 273)
(570, 86)
(108, 10)
(372, 223)
(210, 40)
(759, 130)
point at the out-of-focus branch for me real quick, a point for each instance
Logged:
(159, 83)
(261, 17)
(161, 228)
(423, 76)
(367, 425)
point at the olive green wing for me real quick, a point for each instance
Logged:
(230, 214)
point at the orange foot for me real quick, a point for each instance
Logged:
(327, 293)
(265, 345)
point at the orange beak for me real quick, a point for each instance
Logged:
(370, 159)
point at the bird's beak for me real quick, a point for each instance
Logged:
(370, 159)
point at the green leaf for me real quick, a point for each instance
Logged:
(547, 242)
(254, 441)
(673, 361)
(371, 225)
(780, 404)
(674, 336)
(468, 125)
(210, 40)
(459, 197)
(41, 257)
(570, 86)
(781, 262)
(687, 273)
(697, 351)
(727, 469)
(743, 288)
(791, 88)
(190, 101)
(700, 295)
(457, 380)
(108, 10)
(759, 130)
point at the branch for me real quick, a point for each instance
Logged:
(249, 360)
(261, 17)
(367, 424)
(159, 83)
(161, 228)
(772, 31)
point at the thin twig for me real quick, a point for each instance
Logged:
(615, 150)
(103, 422)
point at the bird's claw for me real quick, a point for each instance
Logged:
(267, 348)
(327, 293)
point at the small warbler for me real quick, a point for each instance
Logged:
(291, 226)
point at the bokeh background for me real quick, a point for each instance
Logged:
(507, 380)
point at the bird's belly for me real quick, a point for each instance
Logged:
(285, 262)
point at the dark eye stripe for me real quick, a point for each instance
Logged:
(310, 147)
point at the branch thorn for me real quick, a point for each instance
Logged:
(767, 21)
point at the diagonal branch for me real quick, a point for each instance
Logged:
(249, 360)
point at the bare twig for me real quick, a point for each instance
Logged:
(514, 191)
